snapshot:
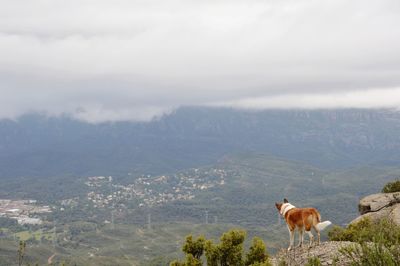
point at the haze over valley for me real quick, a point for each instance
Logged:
(202, 169)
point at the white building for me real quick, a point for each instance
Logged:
(28, 220)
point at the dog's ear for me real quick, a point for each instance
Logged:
(285, 200)
(277, 206)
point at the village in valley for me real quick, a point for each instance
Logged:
(105, 193)
(148, 191)
(103, 199)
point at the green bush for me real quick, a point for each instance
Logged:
(384, 231)
(379, 242)
(257, 253)
(228, 252)
(371, 254)
(392, 187)
(194, 247)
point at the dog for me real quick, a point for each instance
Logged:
(303, 219)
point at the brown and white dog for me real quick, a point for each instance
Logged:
(303, 219)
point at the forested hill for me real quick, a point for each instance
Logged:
(35, 145)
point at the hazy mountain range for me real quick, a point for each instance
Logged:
(36, 145)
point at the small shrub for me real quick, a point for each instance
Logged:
(392, 187)
(371, 254)
(282, 262)
(378, 242)
(313, 261)
(257, 253)
(176, 263)
(384, 231)
(229, 251)
(194, 247)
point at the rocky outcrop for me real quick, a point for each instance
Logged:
(327, 252)
(376, 202)
(379, 206)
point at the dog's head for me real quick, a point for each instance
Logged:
(278, 205)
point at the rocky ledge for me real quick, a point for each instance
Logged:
(327, 252)
(378, 206)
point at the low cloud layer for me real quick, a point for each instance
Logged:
(374, 98)
(99, 60)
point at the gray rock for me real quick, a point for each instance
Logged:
(374, 216)
(326, 252)
(376, 202)
(395, 214)
(379, 206)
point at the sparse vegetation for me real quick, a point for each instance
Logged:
(392, 187)
(282, 262)
(384, 231)
(257, 253)
(372, 254)
(379, 242)
(313, 261)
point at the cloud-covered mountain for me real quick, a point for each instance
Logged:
(36, 145)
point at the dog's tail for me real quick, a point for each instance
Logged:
(323, 225)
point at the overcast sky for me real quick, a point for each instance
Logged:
(101, 60)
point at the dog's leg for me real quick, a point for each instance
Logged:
(291, 232)
(319, 237)
(311, 237)
(301, 237)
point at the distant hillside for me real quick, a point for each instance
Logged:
(35, 145)
(255, 181)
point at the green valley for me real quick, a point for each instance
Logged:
(146, 225)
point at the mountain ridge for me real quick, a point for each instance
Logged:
(36, 145)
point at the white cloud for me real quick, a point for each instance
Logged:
(372, 98)
(131, 60)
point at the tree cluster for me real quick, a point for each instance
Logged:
(229, 252)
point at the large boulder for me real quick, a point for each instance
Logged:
(379, 206)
